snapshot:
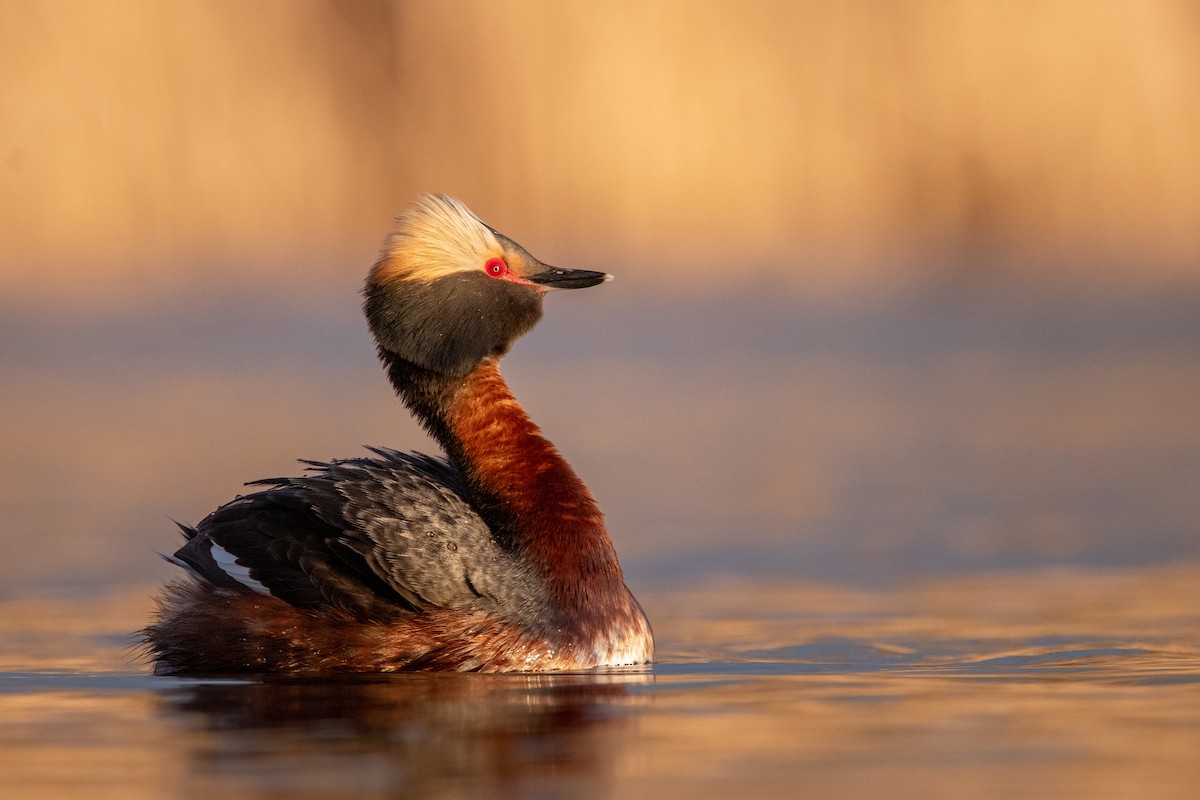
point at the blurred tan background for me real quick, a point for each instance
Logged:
(902, 286)
(846, 150)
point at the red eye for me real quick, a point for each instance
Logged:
(496, 267)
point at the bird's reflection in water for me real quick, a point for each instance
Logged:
(414, 733)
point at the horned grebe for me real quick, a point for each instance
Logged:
(493, 559)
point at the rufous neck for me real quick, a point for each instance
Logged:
(513, 467)
(525, 490)
(530, 497)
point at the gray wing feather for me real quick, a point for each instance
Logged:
(402, 519)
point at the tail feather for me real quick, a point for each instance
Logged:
(188, 531)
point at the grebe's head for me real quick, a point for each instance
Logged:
(448, 291)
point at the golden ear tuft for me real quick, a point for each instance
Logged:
(436, 236)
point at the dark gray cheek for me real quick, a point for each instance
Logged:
(521, 309)
(453, 324)
(465, 345)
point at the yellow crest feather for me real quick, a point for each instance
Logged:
(436, 236)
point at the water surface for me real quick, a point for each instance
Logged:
(948, 549)
(1047, 684)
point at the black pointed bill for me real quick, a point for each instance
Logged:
(555, 278)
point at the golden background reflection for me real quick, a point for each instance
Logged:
(837, 149)
(898, 284)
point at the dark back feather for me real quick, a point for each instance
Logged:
(373, 538)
